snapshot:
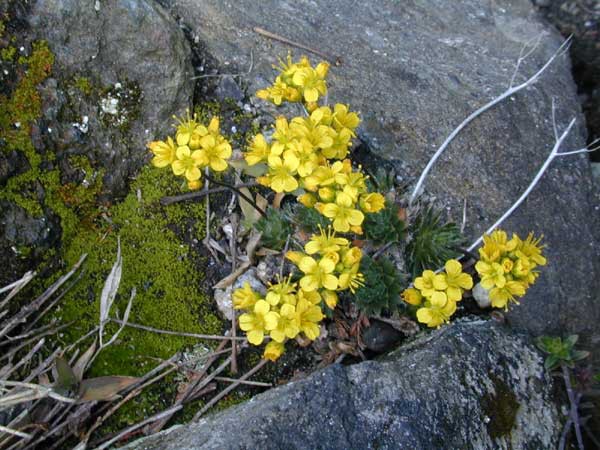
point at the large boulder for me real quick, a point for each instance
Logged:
(133, 67)
(122, 69)
(471, 385)
(415, 70)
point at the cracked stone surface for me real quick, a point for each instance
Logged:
(415, 69)
(471, 385)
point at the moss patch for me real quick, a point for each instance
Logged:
(501, 408)
(162, 268)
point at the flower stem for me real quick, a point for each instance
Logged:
(238, 192)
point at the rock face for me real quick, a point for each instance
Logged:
(470, 385)
(121, 70)
(135, 65)
(415, 70)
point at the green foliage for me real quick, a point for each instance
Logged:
(309, 219)
(383, 284)
(384, 226)
(382, 180)
(275, 228)
(166, 274)
(432, 242)
(560, 351)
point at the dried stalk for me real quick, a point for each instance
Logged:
(228, 389)
(213, 337)
(573, 412)
(22, 315)
(512, 90)
(126, 431)
(197, 194)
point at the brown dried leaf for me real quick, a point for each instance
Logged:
(104, 388)
(83, 361)
(277, 200)
(65, 378)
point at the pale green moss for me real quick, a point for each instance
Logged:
(155, 262)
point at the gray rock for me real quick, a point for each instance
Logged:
(415, 70)
(380, 337)
(470, 385)
(229, 89)
(139, 65)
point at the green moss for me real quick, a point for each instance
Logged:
(155, 262)
(8, 53)
(83, 84)
(501, 408)
(23, 107)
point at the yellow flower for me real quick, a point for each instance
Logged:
(330, 298)
(282, 136)
(216, 151)
(326, 194)
(186, 127)
(342, 213)
(351, 279)
(343, 119)
(193, 185)
(500, 296)
(352, 256)
(430, 283)
(436, 312)
(312, 81)
(281, 174)
(313, 296)
(282, 292)
(341, 142)
(245, 297)
(412, 296)
(531, 248)
(187, 163)
(259, 321)
(275, 93)
(307, 199)
(456, 280)
(318, 136)
(287, 325)
(294, 256)
(164, 152)
(317, 275)
(372, 203)
(309, 316)
(491, 274)
(258, 151)
(273, 350)
(325, 242)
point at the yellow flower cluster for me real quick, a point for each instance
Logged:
(437, 294)
(329, 265)
(297, 82)
(507, 267)
(309, 154)
(282, 314)
(195, 147)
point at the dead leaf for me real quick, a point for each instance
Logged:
(83, 361)
(104, 388)
(65, 378)
(277, 200)
(251, 215)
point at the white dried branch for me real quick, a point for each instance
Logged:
(30, 392)
(123, 322)
(16, 287)
(15, 432)
(555, 153)
(508, 93)
(109, 291)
